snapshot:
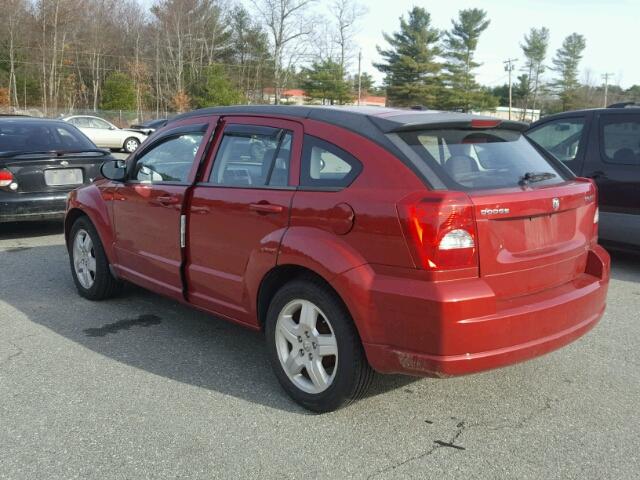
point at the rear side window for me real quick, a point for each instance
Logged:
(481, 159)
(561, 138)
(325, 165)
(621, 139)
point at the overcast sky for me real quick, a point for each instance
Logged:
(610, 28)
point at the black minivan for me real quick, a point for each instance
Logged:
(603, 144)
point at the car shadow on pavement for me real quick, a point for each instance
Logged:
(13, 230)
(149, 332)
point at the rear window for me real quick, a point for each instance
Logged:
(481, 159)
(41, 136)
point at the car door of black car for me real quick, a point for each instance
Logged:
(613, 161)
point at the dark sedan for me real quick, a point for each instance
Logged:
(41, 161)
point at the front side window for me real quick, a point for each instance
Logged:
(621, 139)
(169, 161)
(252, 157)
(325, 165)
(481, 159)
(561, 138)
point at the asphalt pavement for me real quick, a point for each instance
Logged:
(141, 387)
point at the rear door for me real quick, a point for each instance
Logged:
(613, 161)
(240, 211)
(147, 208)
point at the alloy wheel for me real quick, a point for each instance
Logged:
(306, 345)
(84, 259)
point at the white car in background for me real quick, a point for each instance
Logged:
(106, 135)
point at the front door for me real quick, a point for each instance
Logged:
(147, 210)
(239, 213)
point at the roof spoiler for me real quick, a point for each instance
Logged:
(470, 124)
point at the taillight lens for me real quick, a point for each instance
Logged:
(6, 178)
(441, 230)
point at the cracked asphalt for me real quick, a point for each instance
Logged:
(141, 387)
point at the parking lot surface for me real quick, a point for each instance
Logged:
(142, 387)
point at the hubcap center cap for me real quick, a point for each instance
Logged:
(307, 345)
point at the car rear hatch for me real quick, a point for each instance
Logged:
(51, 172)
(533, 221)
(533, 239)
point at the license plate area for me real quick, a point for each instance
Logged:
(55, 177)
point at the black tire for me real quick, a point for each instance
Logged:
(105, 285)
(129, 148)
(353, 375)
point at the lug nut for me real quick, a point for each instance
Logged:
(301, 352)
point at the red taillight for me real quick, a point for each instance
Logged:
(6, 178)
(440, 229)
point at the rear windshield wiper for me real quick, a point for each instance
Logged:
(53, 153)
(532, 177)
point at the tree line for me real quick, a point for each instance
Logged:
(62, 55)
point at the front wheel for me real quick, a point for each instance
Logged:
(89, 264)
(314, 347)
(131, 144)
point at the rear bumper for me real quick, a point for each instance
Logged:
(18, 207)
(460, 327)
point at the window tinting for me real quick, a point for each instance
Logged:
(170, 161)
(32, 136)
(561, 138)
(253, 157)
(621, 139)
(480, 159)
(326, 165)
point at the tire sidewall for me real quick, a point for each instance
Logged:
(343, 329)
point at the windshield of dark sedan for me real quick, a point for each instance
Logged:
(36, 136)
(481, 159)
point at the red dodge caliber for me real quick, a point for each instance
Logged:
(359, 240)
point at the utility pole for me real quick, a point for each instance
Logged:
(509, 66)
(605, 77)
(359, 77)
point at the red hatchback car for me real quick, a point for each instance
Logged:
(359, 240)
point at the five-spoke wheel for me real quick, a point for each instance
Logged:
(307, 346)
(314, 347)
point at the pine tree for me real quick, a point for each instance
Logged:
(325, 81)
(215, 89)
(118, 93)
(460, 44)
(534, 49)
(566, 63)
(412, 72)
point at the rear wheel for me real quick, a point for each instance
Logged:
(89, 264)
(131, 144)
(314, 347)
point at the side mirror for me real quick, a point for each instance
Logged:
(114, 170)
